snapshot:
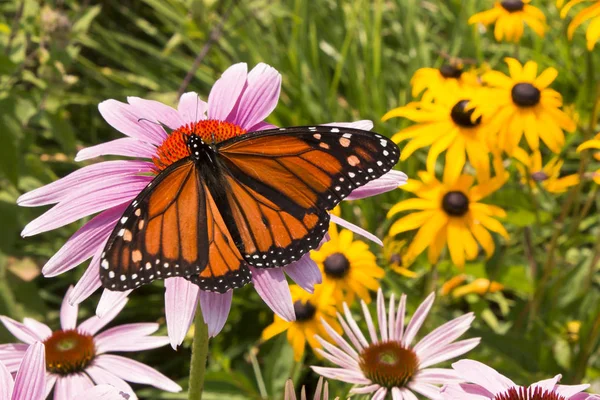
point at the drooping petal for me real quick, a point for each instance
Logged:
(385, 183)
(68, 312)
(181, 300)
(215, 310)
(226, 91)
(20, 331)
(12, 354)
(136, 372)
(109, 300)
(72, 385)
(125, 147)
(123, 118)
(43, 331)
(354, 228)
(191, 108)
(305, 273)
(101, 376)
(30, 382)
(93, 324)
(6, 383)
(89, 281)
(273, 288)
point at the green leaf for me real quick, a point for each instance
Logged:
(9, 152)
(83, 24)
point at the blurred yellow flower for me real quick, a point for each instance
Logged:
(548, 176)
(480, 286)
(436, 82)
(394, 252)
(452, 284)
(592, 144)
(309, 309)
(523, 104)
(589, 13)
(450, 212)
(449, 124)
(510, 17)
(573, 328)
(348, 267)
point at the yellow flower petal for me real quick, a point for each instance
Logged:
(411, 204)
(428, 231)
(410, 222)
(546, 78)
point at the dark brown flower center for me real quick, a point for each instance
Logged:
(512, 5)
(525, 95)
(528, 393)
(69, 352)
(336, 265)
(396, 259)
(455, 204)
(389, 364)
(539, 176)
(304, 311)
(450, 71)
(462, 117)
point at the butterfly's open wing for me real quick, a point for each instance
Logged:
(281, 183)
(162, 233)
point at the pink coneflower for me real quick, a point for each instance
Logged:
(240, 101)
(321, 392)
(30, 381)
(389, 363)
(486, 383)
(77, 356)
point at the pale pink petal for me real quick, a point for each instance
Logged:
(408, 395)
(438, 376)
(30, 382)
(450, 351)
(356, 229)
(20, 331)
(129, 337)
(104, 392)
(42, 331)
(392, 318)
(417, 319)
(50, 382)
(385, 183)
(381, 316)
(567, 391)
(84, 243)
(261, 126)
(181, 300)
(380, 394)
(259, 98)
(465, 391)
(6, 383)
(89, 281)
(339, 340)
(342, 374)
(369, 321)
(365, 389)
(69, 386)
(68, 313)
(364, 124)
(93, 324)
(191, 108)
(305, 273)
(354, 326)
(547, 385)
(335, 355)
(136, 372)
(84, 202)
(100, 376)
(444, 334)
(125, 147)
(396, 394)
(272, 287)
(479, 373)
(12, 354)
(215, 310)
(109, 300)
(59, 190)
(156, 111)
(226, 91)
(123, 118)
(429, 391)
(349, 332)
(400, 315)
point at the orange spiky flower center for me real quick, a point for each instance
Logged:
(389, 364)
(175, 147)
(69, 351)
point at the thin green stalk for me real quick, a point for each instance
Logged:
(262, 388)
(199, 356)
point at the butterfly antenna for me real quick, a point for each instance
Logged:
(166, 128)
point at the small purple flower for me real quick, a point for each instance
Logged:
(30, 381)
(390, 364)
(486, 383)
(240, 98)
(77, 356)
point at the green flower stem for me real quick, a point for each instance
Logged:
(199, 355)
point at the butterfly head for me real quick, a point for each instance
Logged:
(199, 149)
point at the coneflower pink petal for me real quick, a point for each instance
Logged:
(319, 389)
(364, 124)
(43, 331)
(191, 108)
(354, 326)
(259, 98)
(129, 337)
(342, 358)
(30, 382)
(102, 376)
(333, 359)
(68, 312)
(369, 321)
(408, 395)
(50, 382)
(443, 335)
(6, 383)
(426, 389)
(88, 201)
(450, 351)
(89, 281)
(389, 181)
(128, 330)
(20, 331)
(381, 316)
(349, 332)
(136, 372)
(104, 392)
(339, 340)
(417, 320)
(59, 190)
(380, 394)
(12, 354)
(305, 273)
(215, 310)
(354, 228)
(123, 118)
(226, 91)
(400, 315)
(438, 376)
(69, 386)
(568, 391)
(465, 391)
(156, 111)
(273, 288)
(93, 324)
(479, 373)
(181, 300)
(396, 394)
(342, 374)
(391, 318)
(125, 147)
(84, 243)
(110, 299)
(365, 389)
(261, 126)
(547, 384)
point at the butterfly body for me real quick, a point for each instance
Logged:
(260, 199)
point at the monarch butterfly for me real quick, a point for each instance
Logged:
(259, 199)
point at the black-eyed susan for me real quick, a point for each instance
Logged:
(510, 17)
(394, 253)
(449, 78)
(449, 212)
(480, 286)
(593, 144)
(547, 176)
(349, 268)
(449, 124)
(309, 309)
(591, 13)
(522, 103)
